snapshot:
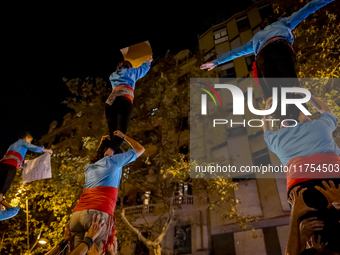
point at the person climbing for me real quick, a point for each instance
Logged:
(310, 155)
(13, 159)
(118, 107)
(102, 179)
(272, 46)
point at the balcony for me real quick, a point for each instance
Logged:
(140, 209)
(184, 200)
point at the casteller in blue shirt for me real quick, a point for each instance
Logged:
(129, 76)
(313, 137)
(282, 28)
(108, 170)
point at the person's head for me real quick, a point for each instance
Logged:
(27, 136)
(123, 64)
(105, 144)
(267, 21)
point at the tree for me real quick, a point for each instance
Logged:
(51, 201)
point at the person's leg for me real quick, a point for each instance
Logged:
(76, 226)
(111, 118)
(276, 68)
(7, 174)
(86, 221)
(123, 112)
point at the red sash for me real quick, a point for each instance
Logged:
(317, 166)
(128, 96)
(12, 161)
(101, 199)
(255, 75)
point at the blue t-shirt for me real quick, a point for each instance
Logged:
(283, 28)
(21, 146)
(304, 139)
(108, 170)
(129, 76)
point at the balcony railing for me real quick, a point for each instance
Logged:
(140, 209)
(184, 200)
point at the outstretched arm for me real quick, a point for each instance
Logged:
(230, 55)
(35, 148)
(32, 147)
(293, 20)
(143, 69)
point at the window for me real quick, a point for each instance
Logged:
(210, 55)
(247, 195)
(182, 244)
(228, 70)
(220, 35)
(261, 157)
(242, 23)
(265, 10)
(249, 61)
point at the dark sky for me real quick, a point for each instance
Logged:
(43, 44)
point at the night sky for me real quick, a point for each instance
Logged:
(43, 44)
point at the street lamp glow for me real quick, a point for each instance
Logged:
(42, 241)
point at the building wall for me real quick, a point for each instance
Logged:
(265, 198)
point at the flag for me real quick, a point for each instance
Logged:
(37, 169)
(138, 53)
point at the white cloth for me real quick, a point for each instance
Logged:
(37, 169)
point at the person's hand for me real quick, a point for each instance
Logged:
(108, 152)
(309, 226)
(112, 250)
(94, 250)
(119, 133)
(208, 65)
(47, 151)
(331, 192)
(269, 103)
(299, 207)
(318, 245)
(96, 226)
(150, 59)
(68, 235)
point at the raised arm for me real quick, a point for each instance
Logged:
(230, 55)
(299, 208)
(293, 20)
(134, 144)
(143, 69)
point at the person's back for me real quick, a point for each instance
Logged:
(304, 139)
(108, 170)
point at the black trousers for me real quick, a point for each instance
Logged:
(7, 174)
(276, 60)
(330, 217)
(118, 117)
